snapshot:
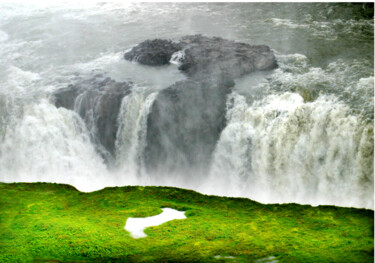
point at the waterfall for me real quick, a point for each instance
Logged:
(131, 135)
(282, 149)
(73, 110)
(50, 144)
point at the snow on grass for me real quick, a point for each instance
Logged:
(136, 225)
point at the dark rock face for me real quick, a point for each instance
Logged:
(184, 125)
(153, 52)
(65, 97)
(205, 56)
(98, 102)
(217, 56)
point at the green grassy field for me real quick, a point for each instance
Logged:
(42, 222)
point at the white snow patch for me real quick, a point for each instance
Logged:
(223, 257)
(136, 225)
(270, 259)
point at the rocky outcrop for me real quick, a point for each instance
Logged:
(97, 101)
(153, 52)
(184, 125)
(206, 56)
(217, 56)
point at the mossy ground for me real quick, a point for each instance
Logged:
(43, 222)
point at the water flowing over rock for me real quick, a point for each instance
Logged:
(97, 101)
(186, 119)
(184, 125)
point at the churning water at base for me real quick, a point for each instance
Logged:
(301, 133)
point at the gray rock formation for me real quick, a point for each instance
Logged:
(153, 52)
(217, 56)
(184, 125)
(97, 101)
(206, 56)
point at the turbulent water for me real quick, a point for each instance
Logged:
(300, 133)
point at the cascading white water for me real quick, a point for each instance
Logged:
(131, 135)
(281, 149)
(50, 144)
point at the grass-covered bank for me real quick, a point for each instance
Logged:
(43, 222)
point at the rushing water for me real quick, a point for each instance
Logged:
(300, 133)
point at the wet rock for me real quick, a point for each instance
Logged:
(97, 101)
(216, 56)
(206, 56)
(184, 125)
(153, 52)
(65, 97)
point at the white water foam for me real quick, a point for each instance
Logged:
(3, 36)
(131, 135)
(136, 226)
(50, 145)
(19, 81)
(328, 30)
(284, 150)
(351, 82)
(177, 57)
